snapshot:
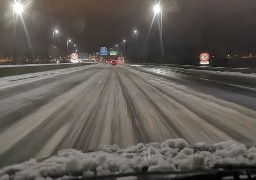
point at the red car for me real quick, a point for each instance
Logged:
(113, 62)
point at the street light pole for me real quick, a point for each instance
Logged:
(117, 47)
(68, 41)
(18, 9)
(158, 12)
(56, 31)
(126, 45)
(136, 32)
(75, 48)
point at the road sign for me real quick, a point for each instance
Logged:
(74, 56)
(204, 58)
(113, 53)
(103, 51)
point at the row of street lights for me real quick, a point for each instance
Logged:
(136, 32)
(157, 10)
(69, 41)
(19, 8)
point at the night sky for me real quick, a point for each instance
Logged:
(189, 26)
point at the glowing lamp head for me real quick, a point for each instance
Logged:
(157, 8)
(18, 8)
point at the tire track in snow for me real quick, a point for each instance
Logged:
(164, 118)
(133, 115)
(87, 129)
(35, 140)
(226, 129)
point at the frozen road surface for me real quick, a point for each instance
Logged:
(89, 107)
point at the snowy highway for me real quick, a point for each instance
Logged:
(85, 108)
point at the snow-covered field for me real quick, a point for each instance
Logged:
(170, 155)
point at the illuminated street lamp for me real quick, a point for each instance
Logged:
(126, 45)
(18, 8)
(158, 12)
(157, 8)
(136, 32)
(117, 47)
(75, 47)
(68, 41)
(54, 33)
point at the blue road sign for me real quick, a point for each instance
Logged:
(103, 51)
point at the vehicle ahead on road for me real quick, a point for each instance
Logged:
(113, 62)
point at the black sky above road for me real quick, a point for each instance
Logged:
(189, 26)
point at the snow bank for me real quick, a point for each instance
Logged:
(171, 155)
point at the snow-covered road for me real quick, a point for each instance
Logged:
(103, 104)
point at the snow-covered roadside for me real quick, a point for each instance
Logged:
(209, 71)
(166, 69)
(251, 75)
(170, 155)
(10, 81)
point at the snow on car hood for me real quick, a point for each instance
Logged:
(170, 155)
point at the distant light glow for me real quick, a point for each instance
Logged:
(56, 31)
(135, 31)
(157, 8)
(69, 40)
(124, 40)
(18, 8)
(116, 45)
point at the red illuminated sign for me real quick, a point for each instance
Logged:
(204, 58)
(74, 56)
